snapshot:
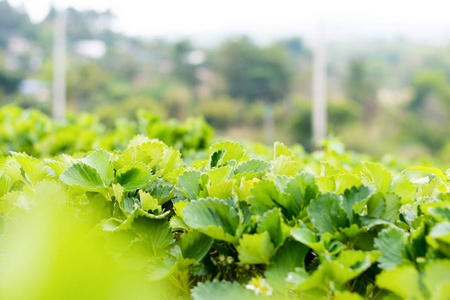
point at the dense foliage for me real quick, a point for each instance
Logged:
(37, 134)
(144, 223)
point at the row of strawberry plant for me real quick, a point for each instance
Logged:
(233, 225)
(37, 134)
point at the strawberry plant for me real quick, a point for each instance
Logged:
(144, 223)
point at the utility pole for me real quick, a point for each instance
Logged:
(59, 66)
(319, 88)
(268, 123)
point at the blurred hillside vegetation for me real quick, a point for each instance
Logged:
(383, 96)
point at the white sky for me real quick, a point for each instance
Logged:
(385, 18)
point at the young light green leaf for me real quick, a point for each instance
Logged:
(233, 151)
(379, 176)
(221, 190)
(285, 165)
(131, 155)
(83, 175)
(281, 149)
(255, 248)
(101, 161)
(402, 281)
(434, 171)
(435, 274)
(148, 202)
(218, 175)
(34, 169)
(272, 223)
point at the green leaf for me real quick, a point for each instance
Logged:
(392, 207)
(301, 190)
(289, 257)
(221, 290)
(352, 196)
(255, 248)
(50, 190)
(160, 267)
(83, 175)
(392, 243)
(404, 188)
(135, 154)
(308, 238)
(101, 161)
(326, 214)
(435, 274)
(188, 184)
(57, 167)
(171, 160)
(156, 234)
(6, 182)
(265, 195)
(376, 206)
(349, 265)
(195, 245)
(161, 190)
(221, 190)
(402, 281)
(218, 175)
(281, 149)
(383, 206)
(154, 150)
(215, 158)
(134, 176)
(441, 232)
(379, 176)
(177, 223)
(285, 165)
(255, 165)
(148, 202)
(213, 217)
(346, 295)
(434, 171)
(344, 181)
(34, 169)
(233, 151)
(272, 223)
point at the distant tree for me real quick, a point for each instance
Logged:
(9, 82)
(183, 69)
(361, 89)
(295, 46)
(253, 73)
(428, 84)
(14, 22)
